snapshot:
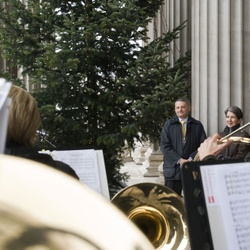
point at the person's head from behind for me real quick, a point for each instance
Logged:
(234, 116)
(24, 117)
(182, 108)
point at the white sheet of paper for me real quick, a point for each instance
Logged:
(84, 162)
(4, 111)
(102, 174)
(88, 165)
(227, 194)
(4, 91)
(4, 114)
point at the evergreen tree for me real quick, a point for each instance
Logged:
(97, 85)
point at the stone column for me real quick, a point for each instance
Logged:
(220, 60)
(171, 14)
(139, 152)
(127, 153)
(153, 160)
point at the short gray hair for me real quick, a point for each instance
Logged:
(184, 99)
(236, 110)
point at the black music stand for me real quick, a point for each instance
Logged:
(196, 211)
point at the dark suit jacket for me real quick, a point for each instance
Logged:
(173, 148)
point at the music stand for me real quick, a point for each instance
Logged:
(200, 234)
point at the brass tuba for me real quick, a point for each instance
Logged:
(28, 222)
(158, 212)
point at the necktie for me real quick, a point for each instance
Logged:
(183, 127)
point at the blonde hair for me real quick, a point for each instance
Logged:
(24, 117)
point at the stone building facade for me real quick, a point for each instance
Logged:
(218, 33)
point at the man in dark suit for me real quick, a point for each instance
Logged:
(180, 138)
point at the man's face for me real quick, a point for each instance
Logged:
(182, 109)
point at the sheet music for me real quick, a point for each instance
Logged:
(227, 193)
(4, 91)
(88, 164)
(4, 111)
(84, 162)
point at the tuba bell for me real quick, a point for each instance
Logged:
(158, 212)
(28, 222)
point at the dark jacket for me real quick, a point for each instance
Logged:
(173, 147)
(235, 150)
(33, 154)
